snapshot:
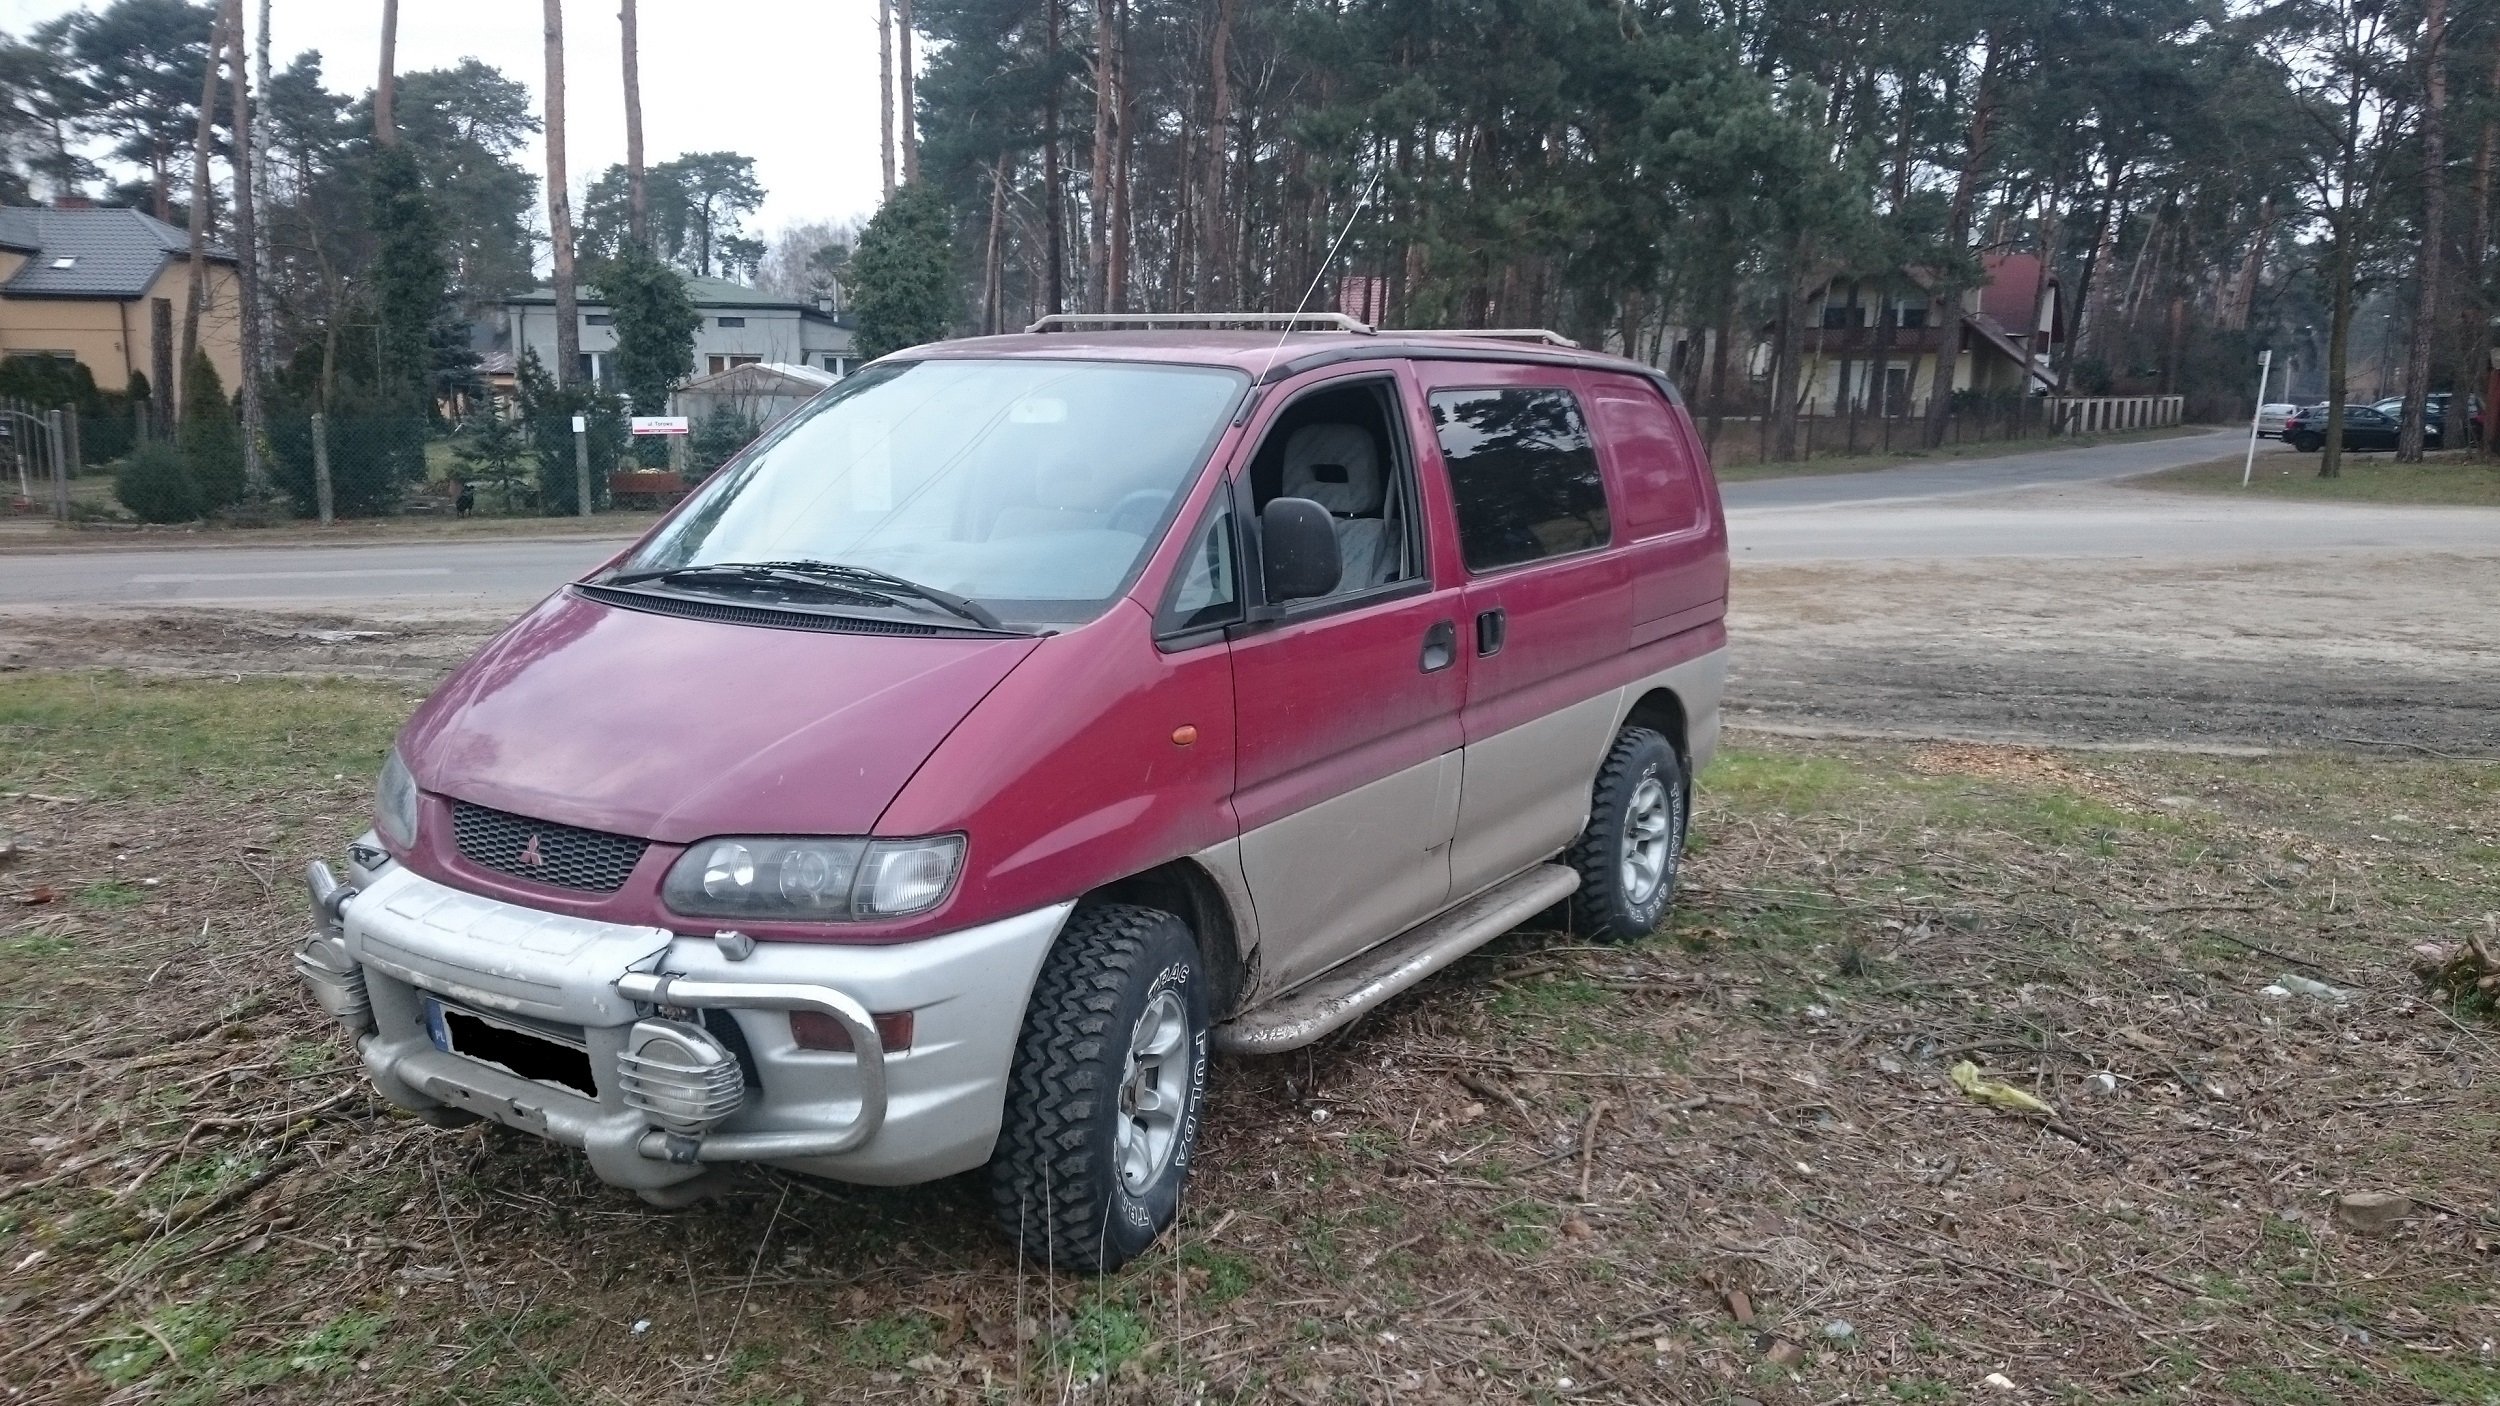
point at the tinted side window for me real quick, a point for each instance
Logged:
(1522, 473)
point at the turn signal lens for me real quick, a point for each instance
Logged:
(815, 1030)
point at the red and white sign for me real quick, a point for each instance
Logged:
(662, 424)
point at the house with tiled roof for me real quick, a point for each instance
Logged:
(107, 288)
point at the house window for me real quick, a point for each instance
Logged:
(1839, 315)
(833, 363)
(68, 262)
(598, 319)
(717, 363)
(733, 322)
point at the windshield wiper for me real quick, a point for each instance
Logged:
(887, 581)
(858, 583)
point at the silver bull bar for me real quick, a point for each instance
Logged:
(333, 968)
(658, 989)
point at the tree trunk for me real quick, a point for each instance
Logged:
(907, 115)
(2410, 433)
(1054, 238)
(1098, 192)
(2338, 342)
(1124, 122)
(261, 143)
(386, 84)
(885, 88)
(1722, 333)
(637, 181)
(2474, 356)
(993, 274)
(1957, 239)
(1787, 351)
(2244, 287)
(2088, 316)
(1211, 178)
(560, 208)
(247, 235)
(201, 199)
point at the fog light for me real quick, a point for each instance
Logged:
(336, 981)
(679, 1077)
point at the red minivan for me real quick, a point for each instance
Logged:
(1025, 719)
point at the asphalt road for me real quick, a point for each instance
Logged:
(2053, 503)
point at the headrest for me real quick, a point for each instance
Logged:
(1335, 467)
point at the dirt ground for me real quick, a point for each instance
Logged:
(1731, 1165)
(2361, 649)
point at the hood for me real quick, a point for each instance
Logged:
(670, 729)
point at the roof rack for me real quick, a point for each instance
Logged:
(1316, 321)
(1505, 334)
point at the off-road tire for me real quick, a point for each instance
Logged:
(1602, 909)
(1054, 1178)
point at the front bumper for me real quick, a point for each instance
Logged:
(397, 944)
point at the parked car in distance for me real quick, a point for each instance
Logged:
(1026, 719)
(2377, 426)
(2270, 418)
(2365, 428)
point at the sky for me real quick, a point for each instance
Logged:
(792, 83)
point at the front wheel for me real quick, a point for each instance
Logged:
(1104, 1093)
(1630, 852)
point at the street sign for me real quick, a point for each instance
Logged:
(662, 424)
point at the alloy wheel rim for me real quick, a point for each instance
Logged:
(1153, 1088)
(1648, 841)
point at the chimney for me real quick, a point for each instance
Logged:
(72, 202)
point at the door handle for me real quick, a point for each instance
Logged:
(1492, 630)
(1440, 647)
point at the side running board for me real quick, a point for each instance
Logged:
(1345, 994)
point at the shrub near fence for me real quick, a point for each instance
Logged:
(374, 461)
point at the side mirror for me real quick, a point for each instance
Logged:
(1298, 555)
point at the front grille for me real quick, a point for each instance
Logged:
(563, 855)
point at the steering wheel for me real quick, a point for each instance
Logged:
(1136, 513)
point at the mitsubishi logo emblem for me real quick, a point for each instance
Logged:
(529, 854)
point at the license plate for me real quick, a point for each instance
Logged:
(530, 1054)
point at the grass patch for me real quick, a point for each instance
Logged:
(1772, 1070)
(2455, 479)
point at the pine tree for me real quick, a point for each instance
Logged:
(903, 274)
(212, 440)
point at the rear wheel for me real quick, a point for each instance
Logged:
(1104, 1094)
(2308, 443)
(1630, 852)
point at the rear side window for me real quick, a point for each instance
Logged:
(1523, 474)
(1653, 468)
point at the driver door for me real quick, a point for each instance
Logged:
(1348, 705)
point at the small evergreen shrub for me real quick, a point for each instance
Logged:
(155, 484)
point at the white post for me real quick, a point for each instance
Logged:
(581, 464)
(2265, 369)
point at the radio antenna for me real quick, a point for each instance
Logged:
(1360, 205)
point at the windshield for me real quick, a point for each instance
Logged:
(1032, 487)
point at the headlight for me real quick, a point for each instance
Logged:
(395, 804)
(818, 880)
